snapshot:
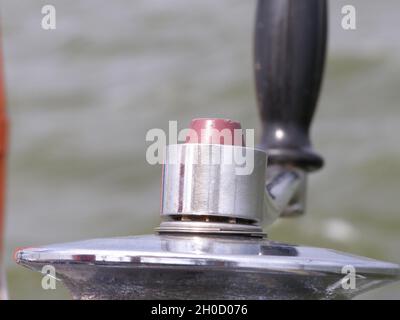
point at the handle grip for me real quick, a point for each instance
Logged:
(289, 55)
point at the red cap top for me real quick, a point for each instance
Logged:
(215, 131)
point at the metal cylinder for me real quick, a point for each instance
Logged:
(214, 180)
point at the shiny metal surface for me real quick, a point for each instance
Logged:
(290, 190)
(208, 227)
(224, 267)
(209, 179)
(282, 188)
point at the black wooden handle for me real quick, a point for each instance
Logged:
(289, 55)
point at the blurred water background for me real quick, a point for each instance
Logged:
(82, 97)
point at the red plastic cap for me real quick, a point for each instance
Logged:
(215, 131)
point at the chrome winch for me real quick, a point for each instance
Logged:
(211, 239)
(218, 194)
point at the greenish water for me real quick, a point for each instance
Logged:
(82, 97)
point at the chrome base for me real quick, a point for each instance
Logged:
(204, 267)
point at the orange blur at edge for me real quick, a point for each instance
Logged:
(3, 151)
